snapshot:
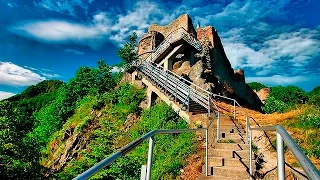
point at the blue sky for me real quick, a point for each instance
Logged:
(275, 42)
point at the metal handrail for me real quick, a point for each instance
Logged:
(175, 35)
(102, 164)
(283, 136)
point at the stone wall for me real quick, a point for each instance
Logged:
(231, 86)
(239, 75)
(206, 32)
(149, 42)
(183, 21)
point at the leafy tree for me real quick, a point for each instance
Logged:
(256, 86)
(314, 96)
(128, 53)
(315, 91)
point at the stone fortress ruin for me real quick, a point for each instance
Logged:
(207, 67)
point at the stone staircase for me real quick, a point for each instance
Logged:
(228, 157)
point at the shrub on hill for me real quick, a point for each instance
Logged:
(256, 86)
(273, 105)
(290, 94)
(283, 98)
(314, 96)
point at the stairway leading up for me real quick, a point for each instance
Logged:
(228, 157)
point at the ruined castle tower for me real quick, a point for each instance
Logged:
(198, 57)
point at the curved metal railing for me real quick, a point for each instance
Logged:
(150, 135)
(284, 137)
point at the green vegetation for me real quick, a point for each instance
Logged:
(256, 86)
(273, 105)
(283, 98)
(308, 125)
(29, 120)
(314, 96)
(255, 148)
(128, 52)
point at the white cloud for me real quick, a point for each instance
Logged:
(5, 95)
(11, 74)
(73, 51)
(115, 69)
(58, 31)
(102, 27)
(283, 51)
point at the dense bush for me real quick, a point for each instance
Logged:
(273, 105)
(314, 96)
(283, 98)
(290, 94)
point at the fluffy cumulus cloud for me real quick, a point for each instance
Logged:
(14, 75)
(285, 50)
(102, 27)
(5, 95)
(11, 74)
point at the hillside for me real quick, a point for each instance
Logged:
(58, 130)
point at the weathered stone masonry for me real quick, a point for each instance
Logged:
(209, 69)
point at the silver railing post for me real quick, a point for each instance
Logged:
(188, 99)
(247, 124)
(207, 160)
(250, 161)
(218, 126)
(234, 109)
(150, 154)
(280, 157)
(208, 105)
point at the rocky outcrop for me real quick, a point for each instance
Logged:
(232, 85)
(263, 94)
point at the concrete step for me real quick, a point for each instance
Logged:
(232, 135)
(230, 162)
(214, 177)
(226, 153)
(233, 146)
(233, 126)
(231, 130)
(230, 172)
(235, 139)
(228, 135)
